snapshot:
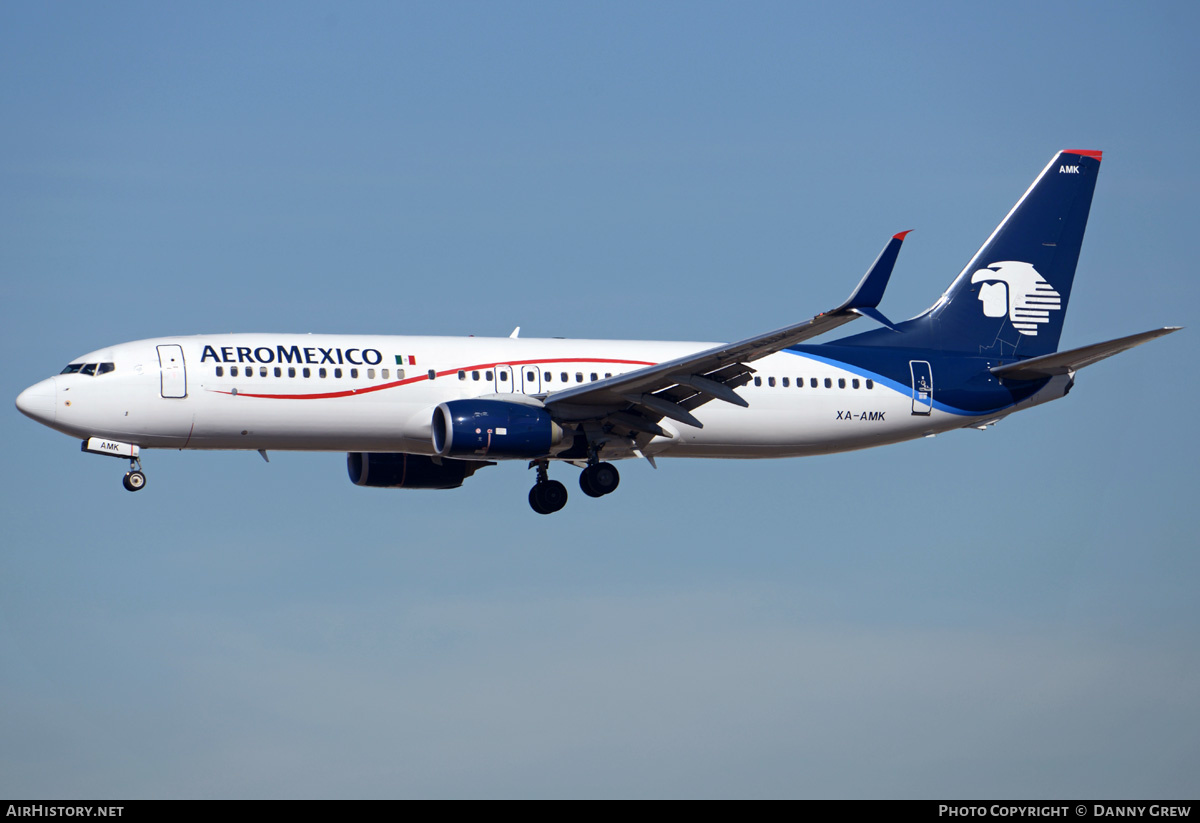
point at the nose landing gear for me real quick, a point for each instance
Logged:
(135, 478)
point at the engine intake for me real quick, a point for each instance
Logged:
(408, 471)
(493, 428)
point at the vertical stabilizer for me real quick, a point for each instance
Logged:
(1012, 297)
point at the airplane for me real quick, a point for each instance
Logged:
(428, 412)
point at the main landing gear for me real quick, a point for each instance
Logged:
(135, 478)
(599, 479)
(547, 496)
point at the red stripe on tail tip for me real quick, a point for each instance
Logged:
(1099, 155)
(901, 235)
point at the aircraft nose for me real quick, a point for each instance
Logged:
(38, 401)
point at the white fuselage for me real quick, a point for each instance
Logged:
(362, 393)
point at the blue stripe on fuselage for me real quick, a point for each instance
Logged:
(962, 384)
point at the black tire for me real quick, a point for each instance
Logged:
(585, 482)
(548, 497)
(605, 478)
(134, 481)
(535, 500)
(554, 496)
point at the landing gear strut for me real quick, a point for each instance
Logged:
(547, 496)
(135, 478)
(599, 479)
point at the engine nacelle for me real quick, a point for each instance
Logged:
(493, 428)
(386, 470)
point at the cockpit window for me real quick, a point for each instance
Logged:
(90, 369)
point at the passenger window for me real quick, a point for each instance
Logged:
(220, 371)
(462, 375)
(548, 376)
(771, 382)
(353, 373)
(593, 377)
(799, 382)
(841, 382)
(233, 371)
(758, 381)
(531, 376)
(812, 383)
(487, 375)
(564, 377)
(370, 374)
(262, 371)
(321, 372)
(383, 373)
(278, 372)
(337, 372)
(854, 383)
(870, 384)
(503, 376)
(578, 377)
(291, 371)
(474, 375)
(399, 374)
(828, 383)
(307, 372)
(249, 371)
(607, 375)
(785, 382)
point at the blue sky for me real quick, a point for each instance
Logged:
(1005, 614)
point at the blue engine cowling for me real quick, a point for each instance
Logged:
(493, 428)
(384, 470)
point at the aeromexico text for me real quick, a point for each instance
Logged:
(292, 354)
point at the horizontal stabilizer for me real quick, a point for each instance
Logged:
(1049, 365)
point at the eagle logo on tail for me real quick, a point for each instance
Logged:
(1017, 290)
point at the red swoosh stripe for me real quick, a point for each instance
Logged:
(410, 380)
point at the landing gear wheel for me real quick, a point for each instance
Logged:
(548, 497)
(599, 479)
(134, 481)
(535, 500)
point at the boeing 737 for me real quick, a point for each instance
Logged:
(428, 412)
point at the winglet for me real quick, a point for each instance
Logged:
(870, 288)
(869, 293)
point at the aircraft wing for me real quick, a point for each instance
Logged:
(1049, 365)
(637, 400)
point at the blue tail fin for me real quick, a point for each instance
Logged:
(1011, 299)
